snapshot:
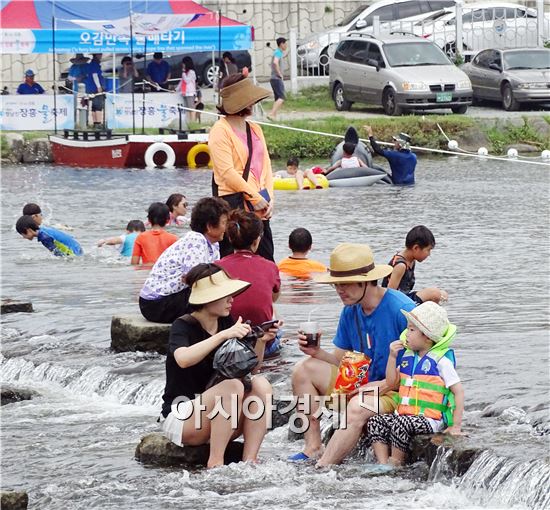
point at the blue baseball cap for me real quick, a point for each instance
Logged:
(29, 72)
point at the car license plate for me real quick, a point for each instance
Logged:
(443, 97)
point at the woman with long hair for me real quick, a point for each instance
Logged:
(245, 231)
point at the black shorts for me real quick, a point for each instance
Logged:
(412, 294)
(278, 87)
(98, 103)
(167, 308)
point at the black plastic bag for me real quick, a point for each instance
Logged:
(236, 358)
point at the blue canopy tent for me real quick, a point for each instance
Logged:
(103, 26)
(116, 26)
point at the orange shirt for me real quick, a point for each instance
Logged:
(229, 156)
(149, 245)
(300, 268)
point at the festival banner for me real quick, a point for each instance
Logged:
(159, 110)
(35, 112)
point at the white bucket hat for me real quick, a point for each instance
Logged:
(430, 318)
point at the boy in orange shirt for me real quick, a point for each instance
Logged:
(298, 265)
(150, 244)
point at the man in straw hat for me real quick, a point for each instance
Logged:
(402, 161)
(370, 321)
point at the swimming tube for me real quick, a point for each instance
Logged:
(358, 176)
(354, 182)
(289, 183)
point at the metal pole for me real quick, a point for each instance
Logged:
(54, 80)
(293, 63)
(541, 24)
(459, 41)
(219, 48)
(132, 57)
(143, 88)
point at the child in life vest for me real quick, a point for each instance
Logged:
(431, 397)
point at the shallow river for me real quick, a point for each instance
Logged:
(73, 446)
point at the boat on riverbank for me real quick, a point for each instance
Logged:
(105, 149)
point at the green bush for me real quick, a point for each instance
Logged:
(502, 137)
(283, 143)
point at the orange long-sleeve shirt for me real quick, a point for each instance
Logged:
(229, 157)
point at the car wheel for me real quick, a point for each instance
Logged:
(463, 108)
(209, 74)
(508, 100)
(389, 103)
(341, 103)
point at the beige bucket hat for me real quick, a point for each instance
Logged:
(430, 318)
(214, 287)
(238, 96)
(351, 263)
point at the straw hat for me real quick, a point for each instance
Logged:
(241, 95)
(79, 58)
(351, 263)
(214, 287)
(430, 318)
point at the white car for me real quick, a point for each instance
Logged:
(313, 51)
(484, 25)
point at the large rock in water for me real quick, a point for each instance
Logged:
(9, 394)
(13, 500)
(13, 306)
(134, 333)
(38, 151)
(459, 451)
(16, 146)
(157, 450)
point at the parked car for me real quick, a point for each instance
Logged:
(401, 73)
(313, 51)
(204, 67)
(515, 76)
(484, 25)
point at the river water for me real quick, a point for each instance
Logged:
(73, 446)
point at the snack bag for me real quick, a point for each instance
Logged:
(352, 372)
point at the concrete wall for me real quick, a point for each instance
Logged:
(275, 18)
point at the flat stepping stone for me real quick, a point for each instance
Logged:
(11, 500)
(155, 449)
(14, 306)
(130, 333)
(10, 394)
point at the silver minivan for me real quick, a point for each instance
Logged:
(400, 72)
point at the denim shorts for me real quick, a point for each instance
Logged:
(278, 87)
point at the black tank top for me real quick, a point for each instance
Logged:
(407, 282)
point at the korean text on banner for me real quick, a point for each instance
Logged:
(36, 112)
(160, 110)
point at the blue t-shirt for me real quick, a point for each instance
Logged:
(93, 68)
(25, 88)
(78, 72)
(127, 246)
(59, 243)
(158, 72)
(379, 330)
(402, 164)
